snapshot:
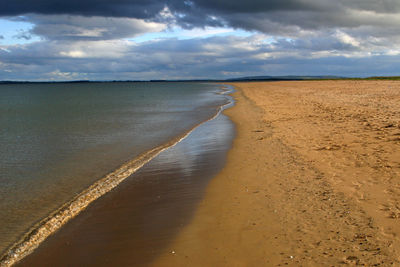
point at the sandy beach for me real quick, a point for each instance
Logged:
(312, 180)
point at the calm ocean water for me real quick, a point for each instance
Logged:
(57, 139)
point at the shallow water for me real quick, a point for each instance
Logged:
(134, 223)
(57, 139)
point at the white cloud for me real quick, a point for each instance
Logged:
(65, 76)
(347, 39)
(73, 53)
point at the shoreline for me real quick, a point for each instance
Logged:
(38, 233)
(133, 223)
(276, 202)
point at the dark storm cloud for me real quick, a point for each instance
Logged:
(106, 8)
(257, 15)
(66, 27)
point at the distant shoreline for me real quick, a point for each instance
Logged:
(243, 79)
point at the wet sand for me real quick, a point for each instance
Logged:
(132, 224)
(312, 180)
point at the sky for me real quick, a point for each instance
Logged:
(57, 40)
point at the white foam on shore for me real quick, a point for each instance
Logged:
(33, 238)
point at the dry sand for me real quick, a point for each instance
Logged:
(312, 180)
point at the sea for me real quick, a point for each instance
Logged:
(60, 141)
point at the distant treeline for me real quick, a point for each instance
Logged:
(382, 78)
